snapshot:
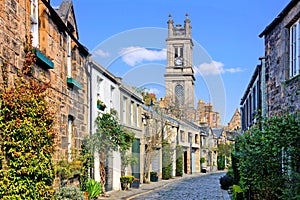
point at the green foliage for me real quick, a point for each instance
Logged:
(26, 142)
(224, 149)
(69, 193)
(237, 192)
(110, 135)
(86, 161)
(93, 188)
(221, 161)
(202, 160)
(166, 161)
(179, 160)
(126, 179)
(268, 155)
(127, 160)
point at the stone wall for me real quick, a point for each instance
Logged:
(283, 93)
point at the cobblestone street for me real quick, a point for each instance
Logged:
(201, 187)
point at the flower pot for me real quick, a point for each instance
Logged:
(135, 184)
(124, 186)
(100, 107)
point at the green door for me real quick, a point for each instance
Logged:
(136, 172)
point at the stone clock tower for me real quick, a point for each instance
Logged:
(179, 76)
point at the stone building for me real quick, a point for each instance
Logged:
(235, 122)
(61, 60)
(205, 114)
(282, 56)
(115, 94)
(179, 76)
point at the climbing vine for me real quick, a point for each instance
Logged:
(26, 139)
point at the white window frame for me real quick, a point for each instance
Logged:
(125, 110)
(34, 17)
(69, 58)
(70, 136)
(294, 66)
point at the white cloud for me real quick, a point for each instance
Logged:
(214, 68)
(102, 53)
(153, 91)
(134, 55)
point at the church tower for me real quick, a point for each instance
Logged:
(179, 76)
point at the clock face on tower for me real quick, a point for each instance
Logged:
(178, 61)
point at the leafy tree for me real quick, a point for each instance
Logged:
(110, 136)
(268, 157)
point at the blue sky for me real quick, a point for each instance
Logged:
(128, 37)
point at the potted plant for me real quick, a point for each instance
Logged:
(93, 188)
(203, 165)
(153, 176)
(100, 105)
(125, 181)
(135, 183)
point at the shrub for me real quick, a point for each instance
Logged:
(221, 162)
(69, 193)
(26, 142)
(179, 161)
(93, 188)
(237, 192)
(167, 161)
(126, 179)
(226, 182)
(202, 160)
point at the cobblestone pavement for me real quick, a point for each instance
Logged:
(205, 187)
(196, 186)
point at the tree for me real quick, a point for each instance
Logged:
(110, 136)
(268, 157)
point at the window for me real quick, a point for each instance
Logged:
(182, 136)
(132, 113)
(112, 94)
(34, 17)
(294, 49)
(179, 95)
(69, 51)
(178, 51)
(124, 110)
(70, 133)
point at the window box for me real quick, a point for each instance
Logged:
(72, 82)
(100, 105)
(43, 60)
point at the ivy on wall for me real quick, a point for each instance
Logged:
(26, 137)
(26, 143)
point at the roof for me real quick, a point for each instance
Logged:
(279, 18)
(253, 78)
(217, 131)
(60, 23)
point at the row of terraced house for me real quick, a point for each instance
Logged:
(79, 83)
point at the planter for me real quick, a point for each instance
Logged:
(86, 195)
(153, 177)
(135, 184)
(100, 107)
(124, 186)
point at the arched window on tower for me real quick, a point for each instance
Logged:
(179, 95)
